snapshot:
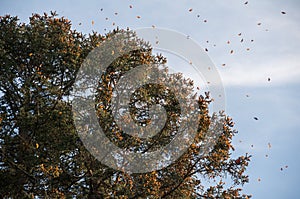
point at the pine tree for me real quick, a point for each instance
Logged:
(41, 153)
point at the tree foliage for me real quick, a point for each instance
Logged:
(40, 151)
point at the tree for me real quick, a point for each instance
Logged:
(41, 152)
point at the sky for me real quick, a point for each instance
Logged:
(254, 46)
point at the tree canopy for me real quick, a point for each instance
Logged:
(41, 154)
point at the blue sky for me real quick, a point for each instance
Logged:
(273, 53)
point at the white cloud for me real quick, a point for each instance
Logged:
(280, 71)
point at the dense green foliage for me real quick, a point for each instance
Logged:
(40, 152)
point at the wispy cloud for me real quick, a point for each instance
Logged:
(280, 71)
